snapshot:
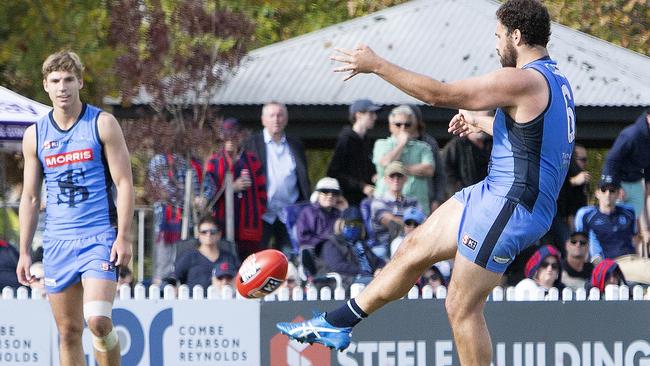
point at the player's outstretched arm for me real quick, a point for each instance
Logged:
(505, 87)
(30, 202)
(117, 156)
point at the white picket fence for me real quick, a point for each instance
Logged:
(183, 292)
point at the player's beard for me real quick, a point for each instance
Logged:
(509, 56)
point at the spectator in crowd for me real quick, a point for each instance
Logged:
(346, 251)
(432, 277)
(166, 175)
(195, 266)
(38, 271)
(403, 146)
(607, 272)
(611, 226)
(315, 222)
(577, 190)
(466, 159)
(293, 278)
(249, 186)
(413, 217)
(543, 271)
(387, 211)
(437, 183)
(223, 274)
(628, 161)
(351, 162)
(124, 277)
(8, 263)
(285, 167)
(573, 195)
(576, 268)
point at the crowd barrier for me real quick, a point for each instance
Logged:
(216, 327)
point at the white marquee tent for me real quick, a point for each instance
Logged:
(16, 114)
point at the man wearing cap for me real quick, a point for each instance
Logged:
(351, 162)
(413, 217)
(387, 212)
(315, 222)
(285, 168)
(628, 161)
(610, 226)
(576, 270)
(223, 274)
(402, 145)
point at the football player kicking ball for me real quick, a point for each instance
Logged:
(483, 226)
(79, 152)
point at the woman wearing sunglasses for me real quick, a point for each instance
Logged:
(543, 271)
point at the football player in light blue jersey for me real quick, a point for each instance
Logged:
(485, 225)
(78, 152)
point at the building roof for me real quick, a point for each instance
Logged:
(445, 39)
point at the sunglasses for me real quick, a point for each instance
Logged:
(411, 223)
(209, 231)
(330, 191)
(581, 159)
(405, 124)
(581, 242)
(553, 265)
(396, 176)
(356, 224)
(611, 190)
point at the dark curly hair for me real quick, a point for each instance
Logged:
(530, 17)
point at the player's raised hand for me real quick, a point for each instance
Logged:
(361, 60)
(462, 124)
(22, 270)
(121, 252)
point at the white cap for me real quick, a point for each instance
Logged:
(329, 184)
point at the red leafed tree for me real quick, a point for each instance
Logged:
(173, 56)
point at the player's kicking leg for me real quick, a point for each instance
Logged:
(98, 306)
(68, 315)
(432, 242)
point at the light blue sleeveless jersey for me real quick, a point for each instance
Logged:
(537, 152)
(515, 204)
(76, 176)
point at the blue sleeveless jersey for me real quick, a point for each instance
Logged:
(76, 176)
(537, 152)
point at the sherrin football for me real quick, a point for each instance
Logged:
(261, 273)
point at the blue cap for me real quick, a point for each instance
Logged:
(363, 105)
(607, 181)
(415, 214)
(224, 269)
(352, 213)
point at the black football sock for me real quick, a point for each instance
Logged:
(346, 316)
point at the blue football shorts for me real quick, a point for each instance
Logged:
(494, 229)
(66, 262)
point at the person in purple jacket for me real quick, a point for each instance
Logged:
(315, 222)
(628, 161)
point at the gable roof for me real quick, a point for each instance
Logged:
(445, 39)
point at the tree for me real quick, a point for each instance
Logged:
(32, 30)
(177, 52)
(283, 19)
(622, 22)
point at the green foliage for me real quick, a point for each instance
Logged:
(317, 162)
(622, 22)
(32, 30)
(279, 20)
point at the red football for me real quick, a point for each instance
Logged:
(261, 273)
